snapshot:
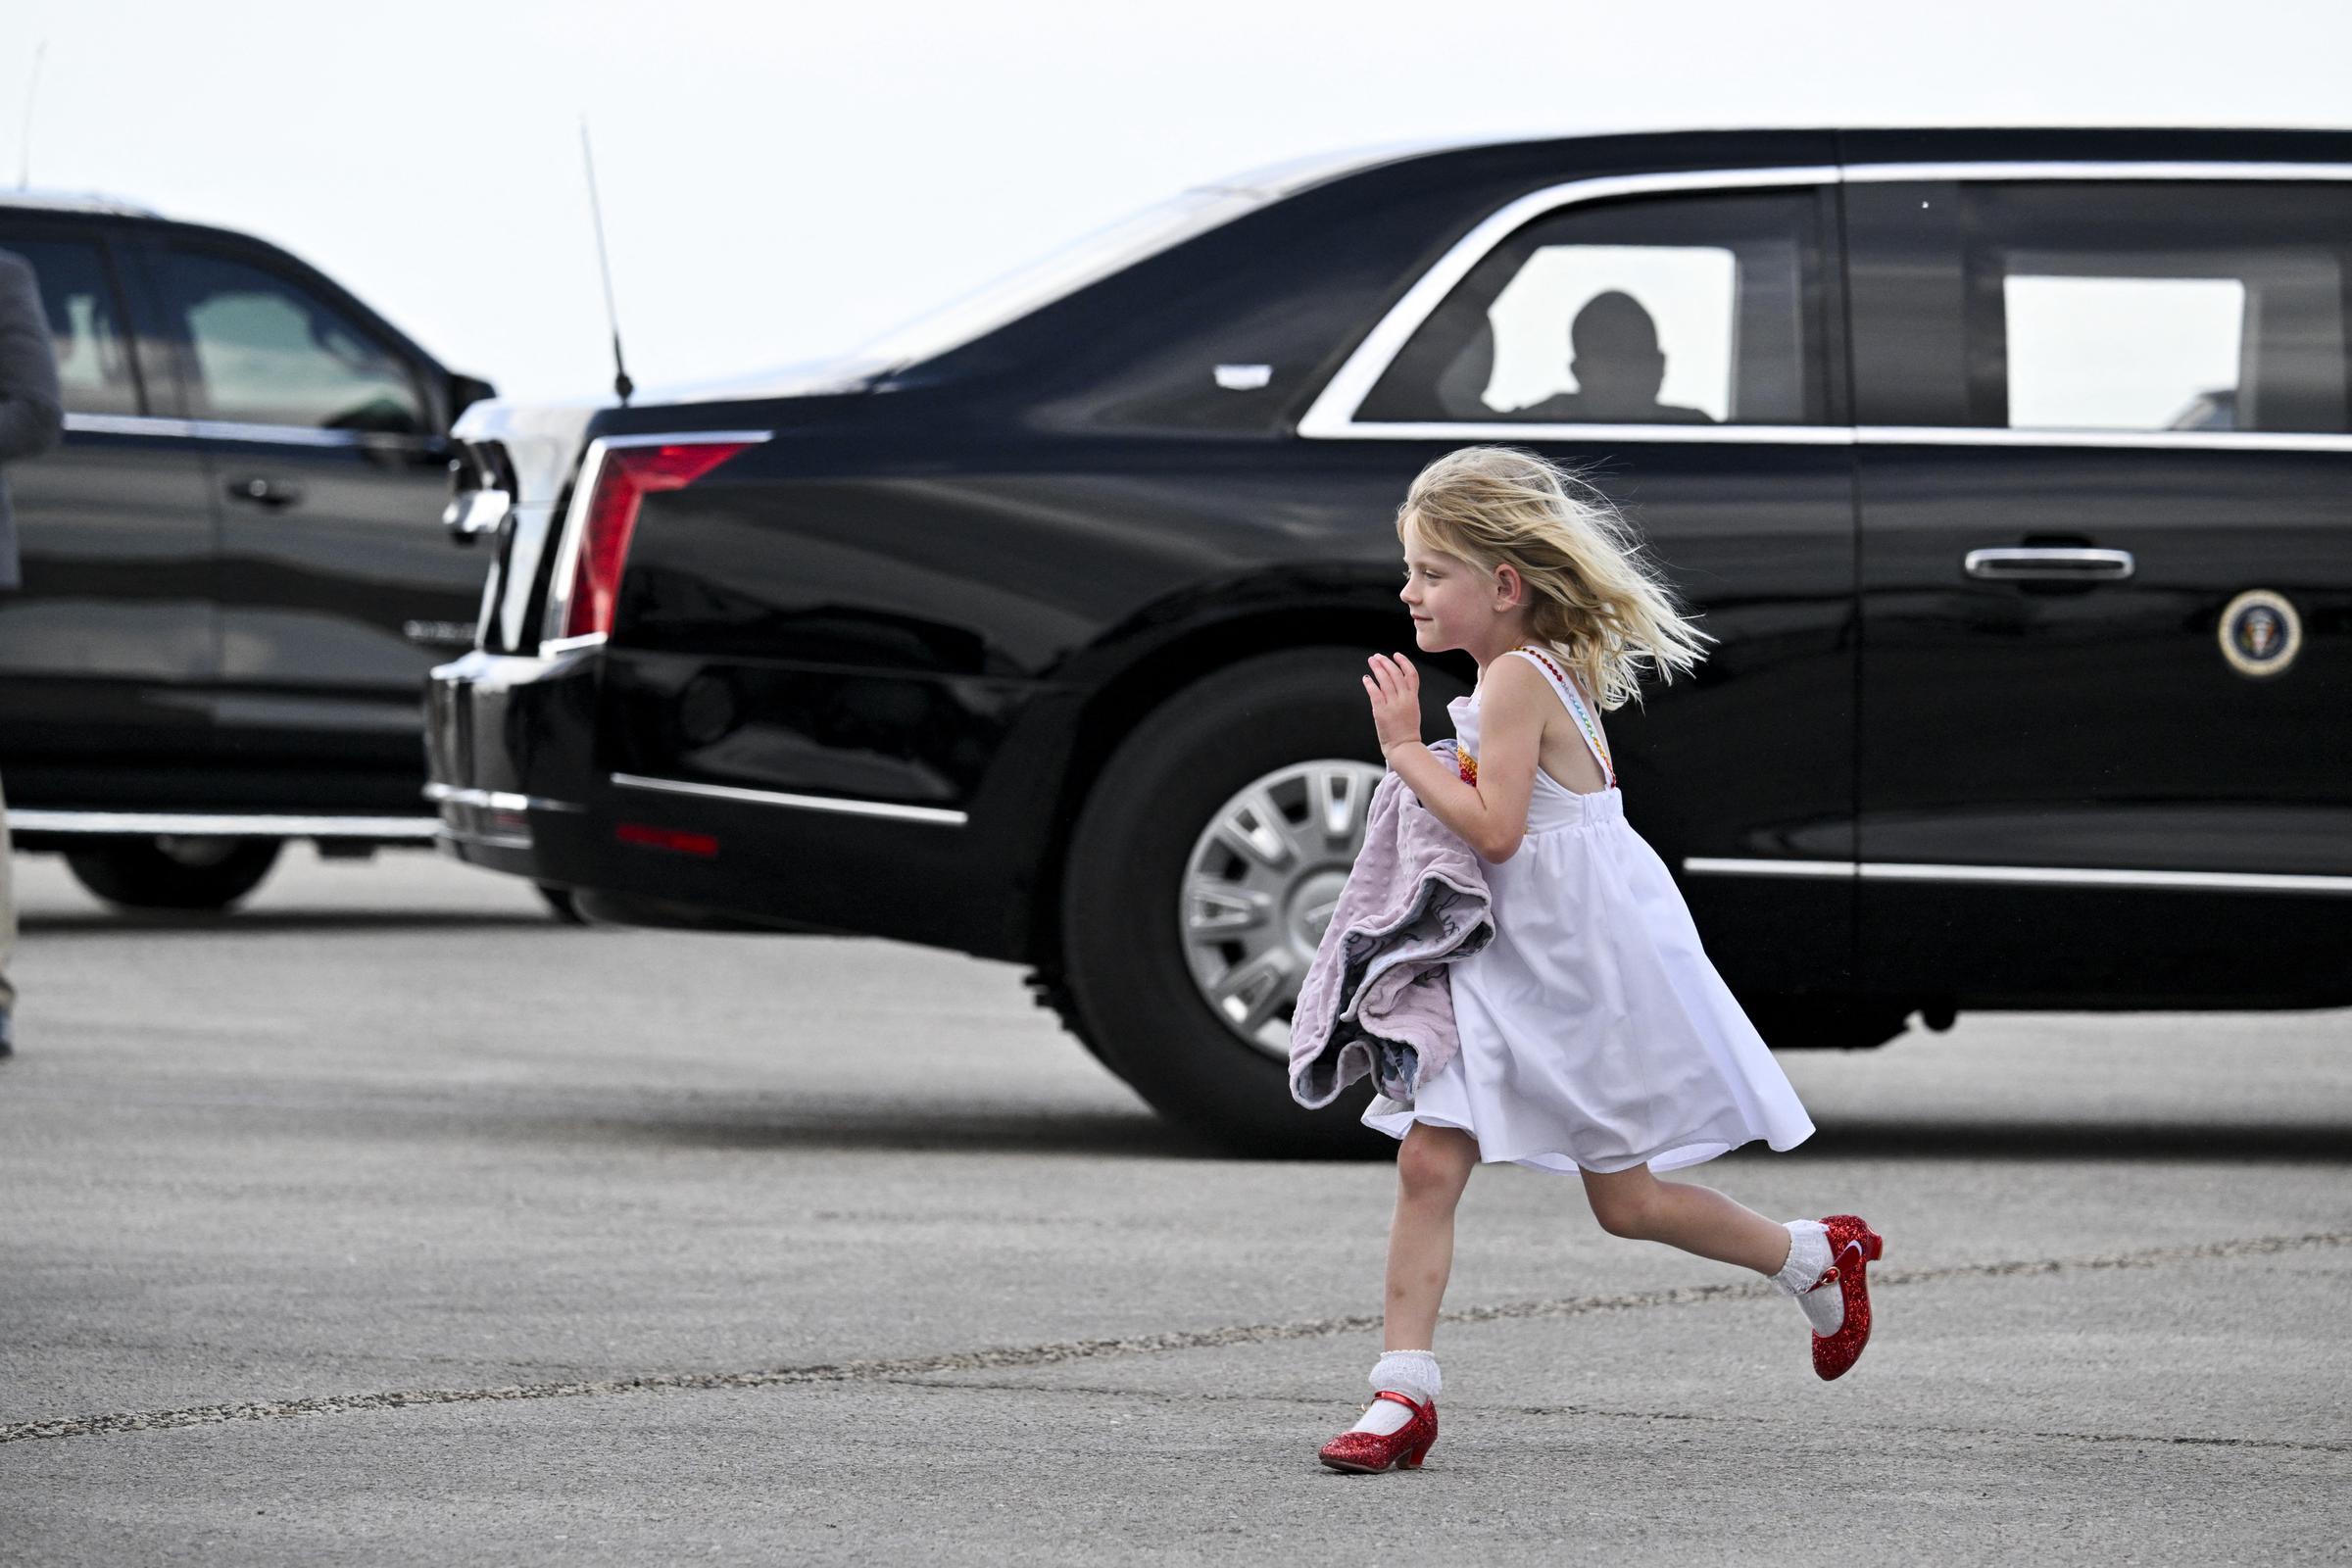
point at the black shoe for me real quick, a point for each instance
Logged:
(8, 1046)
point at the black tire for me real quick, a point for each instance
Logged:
(173, 873)
(1826, 1023)
(560, 903)
(1124, 985)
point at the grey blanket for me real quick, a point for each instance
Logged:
(1376, 998)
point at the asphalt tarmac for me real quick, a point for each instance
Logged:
(388, 1221)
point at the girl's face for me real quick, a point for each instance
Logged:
(1453, 604)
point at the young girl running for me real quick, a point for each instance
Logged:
(1595, 1036)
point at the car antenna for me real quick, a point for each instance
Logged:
(32, 91)
(621, 371)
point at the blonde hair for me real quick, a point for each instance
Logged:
(1590, 594)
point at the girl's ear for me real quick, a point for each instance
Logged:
(1509, 587)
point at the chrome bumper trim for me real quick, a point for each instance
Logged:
(2024, 875)
(494, 800)
(251, 825)
(937, 814)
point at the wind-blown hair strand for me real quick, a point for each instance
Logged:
(1593, 596)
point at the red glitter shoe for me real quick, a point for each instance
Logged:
(1853, 1245)
(1369, 1452)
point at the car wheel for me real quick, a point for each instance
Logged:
(1202, 871)
(560, 903)
(173, 872)
(1825, 1023)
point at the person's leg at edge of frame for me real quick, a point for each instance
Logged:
(1432, 1168)
(8, 938)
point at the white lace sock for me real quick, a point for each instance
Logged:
(1408, 1372)
(1808, 1255)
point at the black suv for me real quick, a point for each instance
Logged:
(2012, 468)
(234, 571)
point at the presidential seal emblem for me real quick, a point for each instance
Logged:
(2260, 633)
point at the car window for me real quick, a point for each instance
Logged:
(1685, 309)
(266, 352)
(85, 325)
(2157, 306)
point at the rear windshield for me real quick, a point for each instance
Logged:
(1088, 258)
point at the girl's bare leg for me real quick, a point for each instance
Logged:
(1697, 1219)
(1433, 1166)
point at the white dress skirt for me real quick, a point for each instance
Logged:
(1595, 1032)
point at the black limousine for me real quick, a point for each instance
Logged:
(2012, 469)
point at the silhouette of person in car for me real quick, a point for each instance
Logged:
(1618, 366)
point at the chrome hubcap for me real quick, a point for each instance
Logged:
(1261, 885)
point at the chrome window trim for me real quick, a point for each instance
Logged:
(198, 824)
(289, 435)
(1333, 412)
(302, 435)
(938, 815)
(2024, 875)
(1840, 435)
(1837, 435)
(2091, 168)
(576, 516)
(1961, 435)
(1789, 435)
(128, 425)
(1332, 415)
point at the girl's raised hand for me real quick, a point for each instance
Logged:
(1394, 688)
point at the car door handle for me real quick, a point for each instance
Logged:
(262, 491)
(2048, 563)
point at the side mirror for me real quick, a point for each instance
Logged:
(465, 391)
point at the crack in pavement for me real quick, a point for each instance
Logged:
(902, 1368)
(1611, 1412)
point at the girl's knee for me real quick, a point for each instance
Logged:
(1435, 1163)
(1623, 1217)
(1625, 1202)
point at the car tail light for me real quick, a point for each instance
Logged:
(624, 477)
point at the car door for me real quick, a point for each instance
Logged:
(339, 587)
(2106, 499)
(109, 649)
(1675, 338)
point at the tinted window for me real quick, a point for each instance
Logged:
(2156, 306)
(266, 352)
(1699, 310)
(86, 325)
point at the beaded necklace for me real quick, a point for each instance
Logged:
(1466, 765)
(1582, 715)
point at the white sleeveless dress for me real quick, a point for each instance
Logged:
(1595, 1032)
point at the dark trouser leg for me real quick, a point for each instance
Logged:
(8, 930)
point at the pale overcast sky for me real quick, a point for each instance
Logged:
(783, 181)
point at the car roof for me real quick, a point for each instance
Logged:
(74, 201)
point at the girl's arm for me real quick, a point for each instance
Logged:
(1490, 816)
